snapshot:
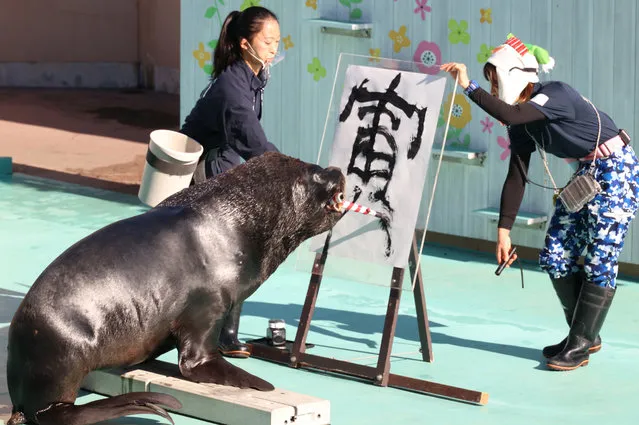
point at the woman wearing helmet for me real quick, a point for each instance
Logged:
(552, 117)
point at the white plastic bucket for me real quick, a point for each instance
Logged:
(171, 160)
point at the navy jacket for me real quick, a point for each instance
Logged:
(226, 119)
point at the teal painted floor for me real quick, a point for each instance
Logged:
(487, 331)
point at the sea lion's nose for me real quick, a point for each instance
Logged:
(335, 174)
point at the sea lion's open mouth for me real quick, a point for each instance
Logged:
(336, 203)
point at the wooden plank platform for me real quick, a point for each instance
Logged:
(210, 402)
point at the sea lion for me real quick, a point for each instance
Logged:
(163, 279)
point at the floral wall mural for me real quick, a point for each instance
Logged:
(248, 3)
(214, 10)
(407, 28)
(204, 55)
(487, 125)
(316, 69)
(422, 8)
(428, 57)
(504, 143)
(374, 54)
(410, 34)
(287, 42)
(407, 32)
(203, 58)
(354, 11)
(484, 53)
(486, 16)
(420, 33)
(400, 39)
(460, 116)
(458, 32)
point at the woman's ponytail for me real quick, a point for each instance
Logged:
(228, 49)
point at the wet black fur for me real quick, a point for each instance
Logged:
(141, 286)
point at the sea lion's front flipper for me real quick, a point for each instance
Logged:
(199, 357)
(216, 370)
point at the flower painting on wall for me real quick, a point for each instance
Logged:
(400, 40)
(460, 116)
(428, 57)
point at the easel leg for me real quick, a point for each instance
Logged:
(379, 375)
(299, 345)
(390, 324)
(420, 304)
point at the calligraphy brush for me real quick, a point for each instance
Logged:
(340, 204)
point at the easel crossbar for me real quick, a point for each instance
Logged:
(310, 361)
(379, 375)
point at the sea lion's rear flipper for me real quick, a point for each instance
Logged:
(109, 408)
(216, 370)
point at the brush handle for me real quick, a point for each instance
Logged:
(338, 199)
(503, 265)
(352, 206)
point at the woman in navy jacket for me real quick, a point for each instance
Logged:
(226, 118)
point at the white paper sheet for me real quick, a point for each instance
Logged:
(383, 142)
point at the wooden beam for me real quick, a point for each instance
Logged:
(390, 324)
(433, 388)
(371, 374)
(211, 402)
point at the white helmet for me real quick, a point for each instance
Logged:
(517, 66)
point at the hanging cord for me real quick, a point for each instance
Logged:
(592, 164)
(503, 265)
(432, 194)
(521, 270)
(542, 153)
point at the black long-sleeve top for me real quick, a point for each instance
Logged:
(227, 117)
(560, 120)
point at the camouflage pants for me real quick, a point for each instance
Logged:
(600, 227)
